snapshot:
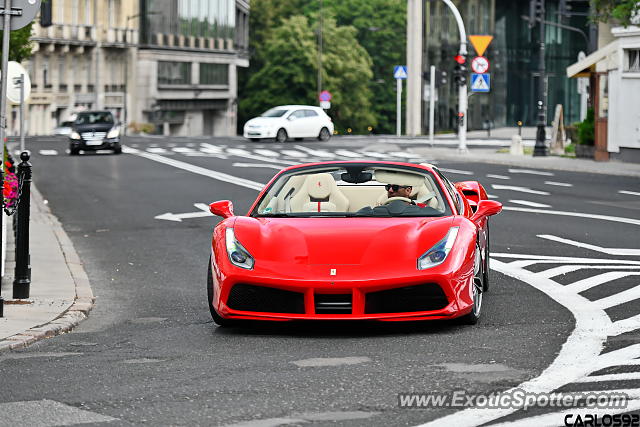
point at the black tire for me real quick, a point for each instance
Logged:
(74, 151)
(117, 149)
(299, 139)
(487, 254)
(324, 135)
(478, 289)
(281, 135)
(214, 314)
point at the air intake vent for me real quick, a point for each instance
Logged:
(333, 303)
(425, 297)
(263, 299)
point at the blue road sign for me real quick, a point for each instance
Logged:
(480, 82)
(400, 72)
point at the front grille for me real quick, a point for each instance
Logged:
(263, 299)
(425, 297)
(333, 303)
(93, 136)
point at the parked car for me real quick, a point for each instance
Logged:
(355, 240)
(94, 130)
(290, 121)
(64, 129)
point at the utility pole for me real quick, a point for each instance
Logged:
(540, 148)
(462, 88)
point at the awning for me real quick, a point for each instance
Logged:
(587, 65)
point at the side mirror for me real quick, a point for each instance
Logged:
(223, 208)
(486, 208)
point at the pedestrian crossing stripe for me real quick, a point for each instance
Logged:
(480, 82)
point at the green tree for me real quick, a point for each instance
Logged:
(20, 47)
(620, 10)
(381, 26)
(289, 70)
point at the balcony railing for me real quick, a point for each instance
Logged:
(65, 34)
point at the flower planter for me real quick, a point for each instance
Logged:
(585, 151)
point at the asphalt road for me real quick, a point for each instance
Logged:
(149, 352)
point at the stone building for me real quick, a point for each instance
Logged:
(171, 63)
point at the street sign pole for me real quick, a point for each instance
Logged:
(432, 102)
(3, 122)
(540, 149)
(398, 107)
(462, 92)
(22, 113)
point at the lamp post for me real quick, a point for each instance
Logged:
(320, 50)
(540, 148)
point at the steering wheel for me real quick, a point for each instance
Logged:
(393, 199)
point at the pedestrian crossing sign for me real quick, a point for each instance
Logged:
(480, 82)
(400, 72)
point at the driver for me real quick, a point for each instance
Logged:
(395, 190)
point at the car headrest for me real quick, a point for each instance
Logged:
(320, 185)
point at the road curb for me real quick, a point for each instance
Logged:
(84, 299)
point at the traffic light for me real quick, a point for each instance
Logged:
(536, 12)
(460, 70)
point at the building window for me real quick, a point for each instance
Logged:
(62, 74)
(174, 73)
(633, 60)
(214, 74)
(45, 73)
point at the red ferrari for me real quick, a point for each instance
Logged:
(353, 240)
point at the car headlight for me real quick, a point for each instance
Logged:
(438, 253)
(113, 133)
(74, 135)
(238, 255)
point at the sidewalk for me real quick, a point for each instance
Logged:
(60, 295)
(490, 155)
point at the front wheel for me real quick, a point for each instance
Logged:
(324, 134)
(477, 291)
(74, 151)
(117, 149)
(281, 136)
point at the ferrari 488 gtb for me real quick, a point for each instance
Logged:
(353, 240)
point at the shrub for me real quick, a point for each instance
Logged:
(136, 127)
(587, 129)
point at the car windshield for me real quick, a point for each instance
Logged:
(66, 124)
(94, 118)
(353, 190)
(274, 112)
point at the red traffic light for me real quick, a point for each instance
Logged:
(460, 59)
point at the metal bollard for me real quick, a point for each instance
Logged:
(22, 276)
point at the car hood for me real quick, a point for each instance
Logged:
(96, 127)
(372, 242)
(264, 121)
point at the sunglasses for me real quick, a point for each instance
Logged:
(395, 187)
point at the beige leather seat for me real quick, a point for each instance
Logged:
(319, 193)
(421, 194)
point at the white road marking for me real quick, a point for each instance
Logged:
(520, 189)
(199, 154)
(498, 176)
(492, 196)
(527, 203)
(267, 153)
(307, 417)
(157, 150)
(403, 155)
(546, 259)
(197, 169)
(204, 211)
(293, 153)
(577, 214)
(237, 152)
(580, 356)
(608, 251)
(531, 172)
(599, 279)
(456, 171)
(243, 153)
(347, 153)
(48, 152)
(331, 361)
(316, 153)
(632, 193)
(558, 184)
(182, 149)
(47, 413)
(256, 165)
(376, 155)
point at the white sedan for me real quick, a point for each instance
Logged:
(290, 121)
